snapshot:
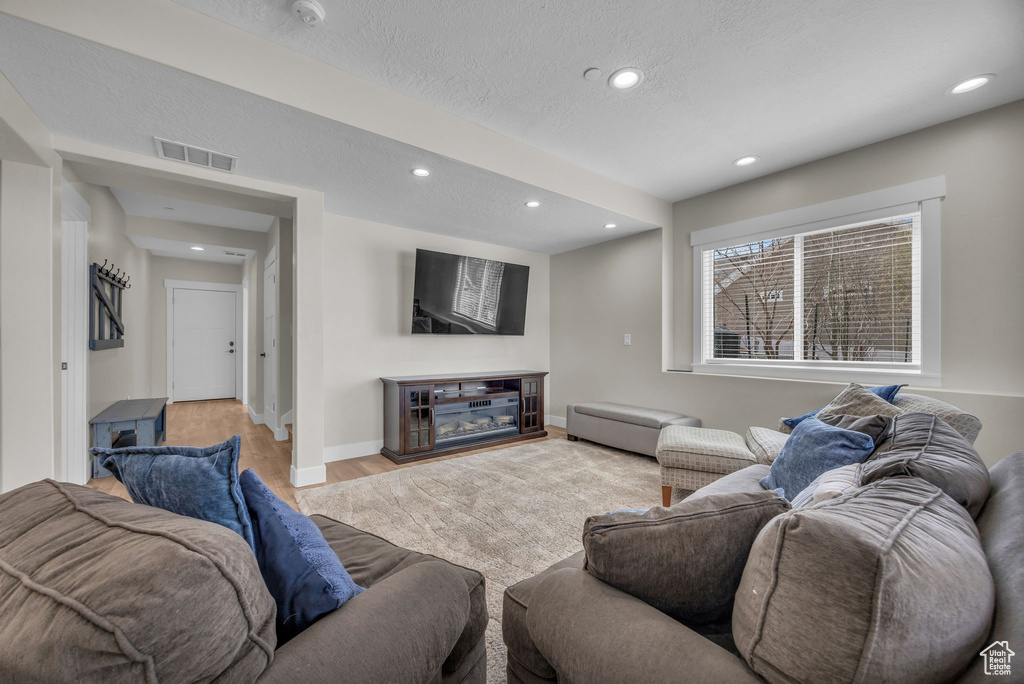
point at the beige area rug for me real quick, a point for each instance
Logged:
(508, 513)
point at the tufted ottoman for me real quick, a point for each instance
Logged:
(691, 457)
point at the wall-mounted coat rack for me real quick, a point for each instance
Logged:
(106, 329)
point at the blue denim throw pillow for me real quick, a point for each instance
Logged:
(198, 482)
(887, 392)
(303, 574)
(814, 448)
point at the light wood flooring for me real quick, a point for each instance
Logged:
(202, 423)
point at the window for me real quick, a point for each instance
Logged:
(477, 290)
(824, 298)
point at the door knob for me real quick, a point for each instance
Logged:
(263, 355)
(231, 351)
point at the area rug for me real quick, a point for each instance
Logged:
(508, 513)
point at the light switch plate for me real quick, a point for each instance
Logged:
(627, 339)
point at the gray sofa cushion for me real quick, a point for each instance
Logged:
(370, 559)
(887, 583)
(923, 445)
(685, 560)
(1001, 526)
(520, 644)
(94, 588)
(646, 417)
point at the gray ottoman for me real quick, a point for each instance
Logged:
(632, 428)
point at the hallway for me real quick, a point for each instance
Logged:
(203, 423)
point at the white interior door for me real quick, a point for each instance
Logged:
(245, 341)
(74, 350)
(204, 344)
(270, 345)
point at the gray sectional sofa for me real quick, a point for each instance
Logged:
(891, 581)
(97, 589)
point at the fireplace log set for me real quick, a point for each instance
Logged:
(468, 424)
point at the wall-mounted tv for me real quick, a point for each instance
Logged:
(463, 295)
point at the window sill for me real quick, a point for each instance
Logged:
(864, 376)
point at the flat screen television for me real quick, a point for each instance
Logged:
(463, 295)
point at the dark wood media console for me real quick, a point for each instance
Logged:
(431, 415)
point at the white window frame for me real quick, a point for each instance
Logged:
(922, 196)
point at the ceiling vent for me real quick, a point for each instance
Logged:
(241, 254)
(190, 154)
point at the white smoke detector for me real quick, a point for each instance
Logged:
(308, 12)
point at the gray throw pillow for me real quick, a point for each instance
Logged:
(857, 401)
(875, 427)
(686, 560)
(923, 445)
(888, 583)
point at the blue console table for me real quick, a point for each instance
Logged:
(131, 422)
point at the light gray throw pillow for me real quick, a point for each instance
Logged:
(857, 401)
(685, 560)
(829, 485)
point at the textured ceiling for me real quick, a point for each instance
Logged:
(788, 80)
(183, 250)
(86, 91)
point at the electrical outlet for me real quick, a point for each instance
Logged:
(627, 339)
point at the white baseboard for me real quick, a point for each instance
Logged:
(280, 434)
(557, 421)
(303, 477)
(288, 418)
(256, 418)
(341, 452)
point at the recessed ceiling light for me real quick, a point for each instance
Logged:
(196, 248)
(422, 173)
(970, 84)
(610, 225)
(626, 78)
(746, 161)
(533, 204)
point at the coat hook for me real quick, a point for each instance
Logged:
(104, 265)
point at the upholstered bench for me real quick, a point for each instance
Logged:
(691, 457)
(632, 428)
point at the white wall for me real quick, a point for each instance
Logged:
(124, 372)
(30, 325)
(168, 268)
(27, 366)
(600, 292)
(368, 283)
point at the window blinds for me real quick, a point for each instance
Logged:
(846, 295)
(478, 289)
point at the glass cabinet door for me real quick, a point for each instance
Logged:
(419, 416)
(529, 404)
